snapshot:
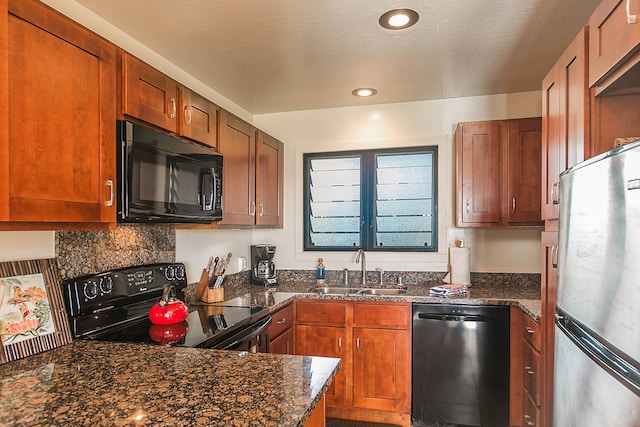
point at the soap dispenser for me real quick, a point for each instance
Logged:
(320, 273)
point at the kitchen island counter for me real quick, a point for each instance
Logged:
(115, 384)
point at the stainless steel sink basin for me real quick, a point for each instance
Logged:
(358, 291)
(335, 291)
(383, 291)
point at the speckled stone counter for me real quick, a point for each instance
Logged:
(525, 294)
(90, 383)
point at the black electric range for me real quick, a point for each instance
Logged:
(114, 306)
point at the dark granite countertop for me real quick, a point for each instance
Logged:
(89, 383)
(526, 295)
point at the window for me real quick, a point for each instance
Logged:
(375, 200)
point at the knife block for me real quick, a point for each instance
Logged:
(206, 294)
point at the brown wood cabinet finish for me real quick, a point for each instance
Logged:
(269, 180)
(148, 94)
(374, 342)
(516, 385)
(612, 38)
(498, 173)
(281, 331)
(565, 120)
(545, 341)
(317, 417)
(198, 118)
(59, 111)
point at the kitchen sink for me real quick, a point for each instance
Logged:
(358, 291)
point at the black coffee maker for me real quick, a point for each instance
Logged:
(263, 269)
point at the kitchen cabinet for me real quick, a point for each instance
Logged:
(565, 120)
(59, 104)
(281, 331)
(198, 118)
(526, 371)
(151, 96)
(148, 94)
(253, 179)
(492, 189)
(614, 35)
(546, 334)
(374, 341)
(317, 417)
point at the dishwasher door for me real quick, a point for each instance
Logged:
(460, 365)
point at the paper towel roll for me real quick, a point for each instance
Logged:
(459, 266)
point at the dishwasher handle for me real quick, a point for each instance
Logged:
(457, 317)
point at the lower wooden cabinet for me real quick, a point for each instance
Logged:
(317, 417)
(374, 342)
(281, 331)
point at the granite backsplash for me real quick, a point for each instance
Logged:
(89, 252)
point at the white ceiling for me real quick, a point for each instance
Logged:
(283, 55)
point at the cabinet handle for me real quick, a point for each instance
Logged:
(187, 115)
(554, 256)
(555, 197)
(468, 210)
(172, 107)
(631, 19)
(358, 345)
(252, 209)
(281, 321)
(261, 206)
(513, 205)
(529, 371)
(339, 344)
(529, 330)
(109, 184)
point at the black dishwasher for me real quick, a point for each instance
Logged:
(460, 368)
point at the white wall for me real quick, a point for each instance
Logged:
(394, 125)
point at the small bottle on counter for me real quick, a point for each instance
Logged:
(320, 273)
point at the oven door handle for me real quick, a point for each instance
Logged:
(255, 331)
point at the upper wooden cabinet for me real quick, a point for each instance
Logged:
(614, 35)
(148, 95)
(253, 178)
(498, 173)
(198, 118)
(57, 146)
(269, 180)
(565, 120)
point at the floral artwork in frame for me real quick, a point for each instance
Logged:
(25, 311)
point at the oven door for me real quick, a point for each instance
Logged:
(164, 179)
(253, 339)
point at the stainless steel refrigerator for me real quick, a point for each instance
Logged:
(597, 332)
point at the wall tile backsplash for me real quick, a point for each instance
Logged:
(89, 252)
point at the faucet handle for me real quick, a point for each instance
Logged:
(381, 271)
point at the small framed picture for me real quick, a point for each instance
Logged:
(32, 314)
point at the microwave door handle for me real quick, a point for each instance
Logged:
(202, 191)
(213, 189)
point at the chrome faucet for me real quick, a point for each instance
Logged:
(381, 272)
(360, 254)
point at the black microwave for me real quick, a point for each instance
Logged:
(164, 179)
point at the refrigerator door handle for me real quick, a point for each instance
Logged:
(603, 355)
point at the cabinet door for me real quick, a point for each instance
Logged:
(523, 149)
(237, 144)
(612, 38)
(148, 95)
(381, 370)
(478, 154)
(57, 141)
(565, 120)
(325, 341)
(198, 118)
(269, 180)
(283, 343)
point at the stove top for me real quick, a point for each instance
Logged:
(114, 306)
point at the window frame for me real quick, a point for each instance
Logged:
(368, 198)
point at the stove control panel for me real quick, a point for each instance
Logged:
(104, 291)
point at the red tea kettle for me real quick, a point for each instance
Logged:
(169, 309)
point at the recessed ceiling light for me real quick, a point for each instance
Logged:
(364, 92)
(398, 19)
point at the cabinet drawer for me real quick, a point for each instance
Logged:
(532, 332)
(324, 312)
(281, 321)
(530, 412)
(531, 373)
(385, 315)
